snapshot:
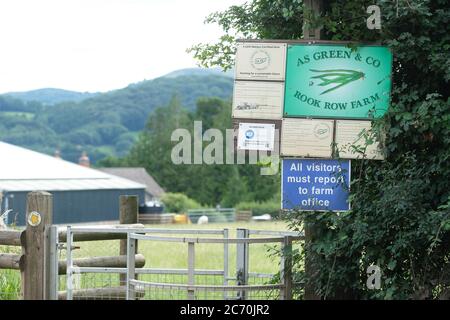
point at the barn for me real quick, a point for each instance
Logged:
(153, 190)
(80, 194)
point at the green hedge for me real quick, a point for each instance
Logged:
(178, 203)
(260, 208)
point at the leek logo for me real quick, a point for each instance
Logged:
(260, 60)
(337, 77)
(249, 134)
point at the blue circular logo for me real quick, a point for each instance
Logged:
(249, 134)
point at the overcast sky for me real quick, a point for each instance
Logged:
(99, 45)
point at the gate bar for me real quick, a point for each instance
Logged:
(69, 272)
(191, 269)
(131, 245)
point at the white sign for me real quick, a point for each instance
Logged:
(260, 61)
(307, 138)
(351, 140)
(256, 136)
(258, 100)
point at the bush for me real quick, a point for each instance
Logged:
(400, 217)
(178, 202)
(260, 208)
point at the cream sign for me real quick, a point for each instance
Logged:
(258, 99)
(260, 61)
(307, 138)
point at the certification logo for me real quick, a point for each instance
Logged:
(249, 134)
(260, 60)
(322, 131)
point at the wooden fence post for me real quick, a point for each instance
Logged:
(129, 207)
(286, 268)
(39, 214)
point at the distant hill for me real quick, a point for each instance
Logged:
(51, 96)
(105, 124)
(199, 72)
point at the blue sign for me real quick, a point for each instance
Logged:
(315, 184)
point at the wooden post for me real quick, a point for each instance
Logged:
(286, 269)
(129, 207)
(314, 7)
(311, 270)
(39, 214)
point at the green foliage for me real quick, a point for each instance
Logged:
(214, 184)
(260, 208)
(102, 124)
(261, 19)
(400, 207)
(178, 202)
(9, 285)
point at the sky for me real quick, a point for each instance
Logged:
(99, 45)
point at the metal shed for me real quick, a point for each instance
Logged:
(80, 194)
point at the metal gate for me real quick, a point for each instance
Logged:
(231, 282)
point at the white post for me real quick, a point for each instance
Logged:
(191, 269)
(131, 274)
(225, 262)
(52, 280)
(69, 272)
(242, 261)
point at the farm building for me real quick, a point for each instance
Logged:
(80, 194)
(153, 190)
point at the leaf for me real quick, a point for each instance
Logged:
(391, 265)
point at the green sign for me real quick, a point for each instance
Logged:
(332, 81)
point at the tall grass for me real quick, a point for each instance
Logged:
(9, 279)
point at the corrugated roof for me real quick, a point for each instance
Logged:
(139, 175)
(26, 170)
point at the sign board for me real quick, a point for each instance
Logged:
(258, 100)
(276, 123)
(256, 136)
(307, 138)
(351, 142)
(260, 61)
(312, 184)
(335, 81)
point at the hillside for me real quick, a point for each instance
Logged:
(199, 72)
(104, 125)
(51, 96)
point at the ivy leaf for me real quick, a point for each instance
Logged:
(391, 265)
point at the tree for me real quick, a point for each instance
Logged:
(400, 217)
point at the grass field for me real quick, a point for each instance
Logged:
(173, 255)
(208, 256)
